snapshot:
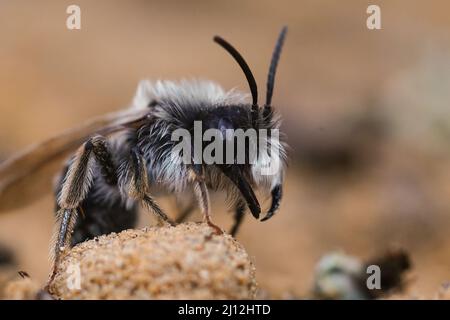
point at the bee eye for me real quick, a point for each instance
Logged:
(152, 103)
(224, 124)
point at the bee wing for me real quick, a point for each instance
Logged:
(27, 176)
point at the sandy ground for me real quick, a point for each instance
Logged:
(368, 167)
(188, 261)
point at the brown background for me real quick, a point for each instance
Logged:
(366, 113)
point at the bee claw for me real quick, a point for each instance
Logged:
(217, 230)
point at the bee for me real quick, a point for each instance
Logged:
(120, 160)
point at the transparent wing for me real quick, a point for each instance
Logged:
(27, 176)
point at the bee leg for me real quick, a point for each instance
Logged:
(75, 186)
(238, 218)
(151, 204)
(201, 192)
(67, 218)
(137, 186)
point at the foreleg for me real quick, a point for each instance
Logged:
(201, 192)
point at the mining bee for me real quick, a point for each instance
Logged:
(119, 160)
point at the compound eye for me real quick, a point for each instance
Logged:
(152, 103)
(224, 125)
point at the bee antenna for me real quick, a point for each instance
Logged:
(272, 71)
(245, 68)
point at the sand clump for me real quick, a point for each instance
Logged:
(182, 262)
(21, 289)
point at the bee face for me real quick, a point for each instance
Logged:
(189, 104)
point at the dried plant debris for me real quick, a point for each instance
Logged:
(183, 262)
(393, 266)
(339, 276)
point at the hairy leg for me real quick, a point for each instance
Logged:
(201, 192)
(135, 184)
(75, 187)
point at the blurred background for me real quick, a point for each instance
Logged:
(366, 114)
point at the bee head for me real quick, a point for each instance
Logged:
(243, 175)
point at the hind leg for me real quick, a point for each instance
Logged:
(113, 213)
(74, 187)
